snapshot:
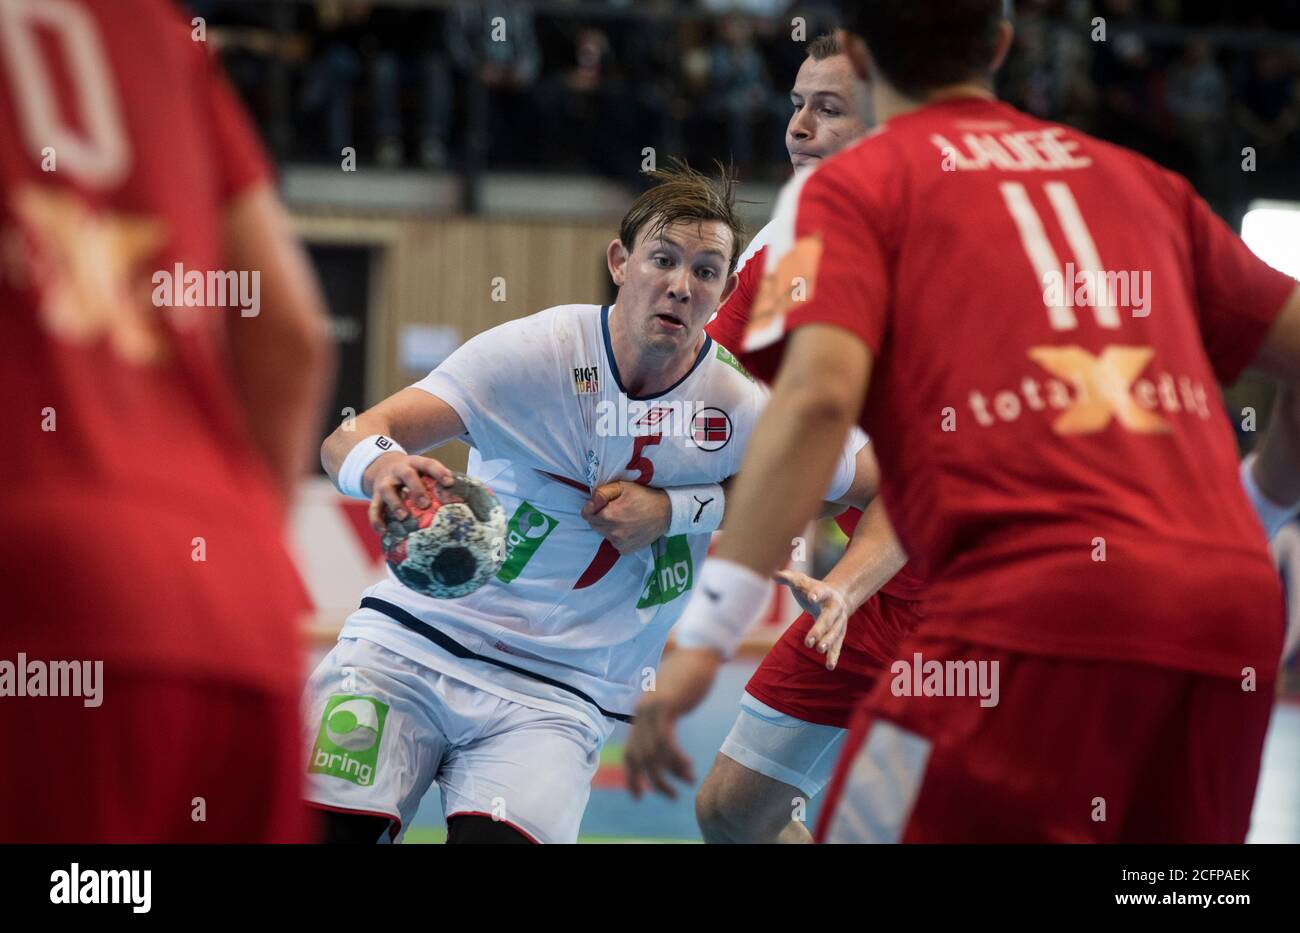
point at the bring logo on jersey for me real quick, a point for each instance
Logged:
(729, 358)
(527, 530)
(673, 573)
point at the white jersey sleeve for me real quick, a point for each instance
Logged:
(500, 383)
(482, 378)
(846, 467)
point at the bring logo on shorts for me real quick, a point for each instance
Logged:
(347, 745)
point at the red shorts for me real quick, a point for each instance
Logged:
(1072, 751)
(793, 678)
(130, 769)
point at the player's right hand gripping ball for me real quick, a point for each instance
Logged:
(454, 546)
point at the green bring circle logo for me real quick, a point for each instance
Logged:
(353, 724)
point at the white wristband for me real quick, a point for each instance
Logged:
(728, 600)
(1272, 515)
(697, 510)
(361, 456)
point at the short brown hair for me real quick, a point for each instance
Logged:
(682, 193)
(824, 46)
(922, 45)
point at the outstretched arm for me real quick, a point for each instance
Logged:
(1276, 467)
(869, 562)
(416, 421)
(871, 559)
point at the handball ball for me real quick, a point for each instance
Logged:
(451, 548)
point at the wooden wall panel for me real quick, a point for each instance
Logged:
(440, 271)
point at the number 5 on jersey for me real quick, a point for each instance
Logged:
(607, 555)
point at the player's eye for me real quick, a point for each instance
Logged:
(663, 262)
(829, 112)
(707, 274)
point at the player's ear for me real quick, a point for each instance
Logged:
(856, 50)
(1006, 35)
(864, 104)
(616, 258)
(733, 280)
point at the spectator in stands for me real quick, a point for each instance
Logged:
(727, 8)
(739, 88)
(572, 95)
(644, 56)
(411, 52)
(495, 43)
(1122, 72)
(329, 85)
(1047, 72)
(1197, 97)
(1269, 110)
(245, 37)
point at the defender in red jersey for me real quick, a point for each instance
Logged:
(157, 437)
(798, 703)
(1043, 318)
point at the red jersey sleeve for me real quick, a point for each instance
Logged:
(241, 160)
(1238, 295)
(728, 328)
(829, 263)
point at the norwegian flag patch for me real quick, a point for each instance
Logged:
(711, 429)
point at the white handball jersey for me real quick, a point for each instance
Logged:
(548, 418)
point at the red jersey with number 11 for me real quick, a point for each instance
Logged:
(1048, 316)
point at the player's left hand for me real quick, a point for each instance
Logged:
(629, 516)
(652, 753)
(827, 606)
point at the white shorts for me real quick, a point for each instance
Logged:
(382, 728)
(782, 747)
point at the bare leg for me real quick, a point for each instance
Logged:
(738, 805)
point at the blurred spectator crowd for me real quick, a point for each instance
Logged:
(587, 86)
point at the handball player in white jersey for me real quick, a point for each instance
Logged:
(606, 433)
